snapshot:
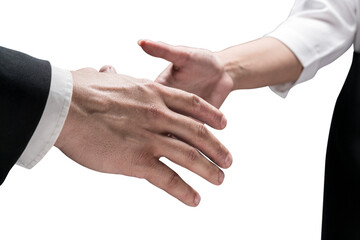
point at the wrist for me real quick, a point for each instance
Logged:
(66, 128)
(60, 141)
(231, 67)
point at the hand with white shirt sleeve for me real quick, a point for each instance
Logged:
(122, 125)
(213, 75)
(198, 71)
(316, 33)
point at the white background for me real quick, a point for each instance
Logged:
(274, 188)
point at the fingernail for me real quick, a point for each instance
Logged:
(221, 177)
(228, 160)
(223, 122)
(197, 199)
(140, 41)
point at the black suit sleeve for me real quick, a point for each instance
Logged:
(24, 88)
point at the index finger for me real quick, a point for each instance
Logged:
(166, 51)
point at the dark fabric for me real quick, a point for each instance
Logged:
(341, 212)
(24, 88)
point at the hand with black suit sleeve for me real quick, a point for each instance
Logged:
(34, 98)
(122, 125)
(24, 89)
(115, 124)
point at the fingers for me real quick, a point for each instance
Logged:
(190, 158)
(166, 179)
(168, 52)
(193, 106)
(198, 136)
(107, 69)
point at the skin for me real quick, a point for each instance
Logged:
(213, 75)
(123, 125)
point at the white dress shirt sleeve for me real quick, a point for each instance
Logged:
(52, 119)
(318, 32)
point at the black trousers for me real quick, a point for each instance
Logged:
(341, 211)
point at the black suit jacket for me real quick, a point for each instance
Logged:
(24, 88)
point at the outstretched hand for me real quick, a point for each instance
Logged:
(194, 70)
(123, 125)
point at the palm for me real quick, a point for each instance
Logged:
(193, 70)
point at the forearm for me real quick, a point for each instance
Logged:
(24, 88)
(263, 62)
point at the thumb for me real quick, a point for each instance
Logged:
(176, 55)
(107, 69)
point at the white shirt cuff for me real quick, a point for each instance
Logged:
(307, 56)
(317, 32)
(52, 119)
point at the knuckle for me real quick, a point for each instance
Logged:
(163, 91)
(217, 117)
(172, 181)
(144, 154)
(195, 101)
(202, 131)
(143, 89)
(211, 169)
(148, 174)
(148, 83)
(154, 111)
(221, 151)
(154, 86)
(214, 172)
(192, 155)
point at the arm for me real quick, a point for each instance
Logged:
(114, 124)
(263, 62)
(316, 33)
(24, 88)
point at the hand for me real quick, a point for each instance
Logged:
(119, 124)
(194, 70)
